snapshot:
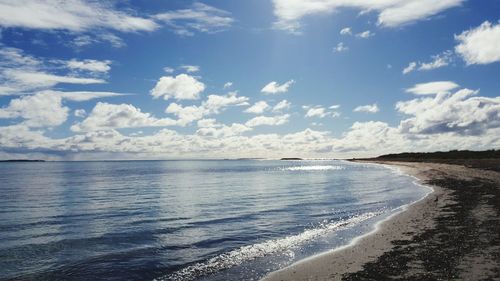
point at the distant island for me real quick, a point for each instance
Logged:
(22, 160)
(291, 158)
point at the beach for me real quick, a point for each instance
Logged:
(452, 233)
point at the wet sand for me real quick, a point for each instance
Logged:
(452, 234)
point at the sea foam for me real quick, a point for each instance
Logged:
(250, 252)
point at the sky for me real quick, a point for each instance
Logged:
(172, 79)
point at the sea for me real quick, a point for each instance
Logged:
(186, 220)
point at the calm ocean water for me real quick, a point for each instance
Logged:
(185, 220)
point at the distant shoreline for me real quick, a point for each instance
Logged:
(22, 160)
(421, 242)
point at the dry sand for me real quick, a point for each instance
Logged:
(453, 233)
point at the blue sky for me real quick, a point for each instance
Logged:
(265, 78)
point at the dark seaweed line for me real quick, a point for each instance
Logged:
(436, 253)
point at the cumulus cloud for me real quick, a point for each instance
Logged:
(275, 88)
(480, 45)
(391, 13)
(80, 113)
(39, 110)
(213, 105)
(282, 105)
(190, 68)
(340, 48)
(216, 130)
(228, 85)
(362, 139)
(369, 108)
(365, 34)
(71, 15)
(268, 120)
(198, 18)
(461, 112)
(258, 107)
(432, 88)
(115, 116)
(45, 108)
(320, 111)
(180, 87)
(346, 31)
(187, 114)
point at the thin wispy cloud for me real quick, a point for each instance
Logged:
(198, 18)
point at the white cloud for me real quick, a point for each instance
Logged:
(411, 66)
(114, 116)
(15, 57)
(199, 18)
(363, 139)
(80, 113)
(180, 87)
(340, 48)
(462, 112)
(320, 111)
(21, 73)
(480, 45)
(105, 37)
(369, 108)
(258, 108)
(391, 13)
(72, 15)
(39, 110)
(187, 114)
(438, 61)
(346, 31)
(268, 121)
(220, 130)
(168, 70)
(402, 12)
(90, 65)
(316, 112)
(82, 95)
(213, 105)
(365, 34)
(190, 68)
(275, 88)
(228, 85)
(45, 108)
(207, 123)
(432, 88)
(282, 105)
(34, 80)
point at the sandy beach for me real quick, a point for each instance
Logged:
(452, 234)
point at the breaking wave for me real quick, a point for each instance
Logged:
(247, 253)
